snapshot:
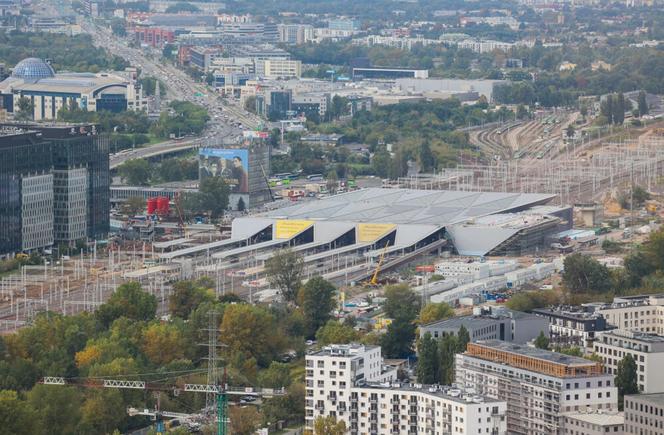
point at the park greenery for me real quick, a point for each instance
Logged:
(427, 132)
(139, 172)
(66, 53)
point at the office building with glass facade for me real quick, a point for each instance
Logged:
(34, 80)
(54, 186)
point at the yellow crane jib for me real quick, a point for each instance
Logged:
(374, 278)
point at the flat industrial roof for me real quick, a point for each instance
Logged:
(410, 206)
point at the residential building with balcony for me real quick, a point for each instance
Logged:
(572, 326)
(352, 384)
(539, 386)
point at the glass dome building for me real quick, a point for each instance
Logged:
(33, 69)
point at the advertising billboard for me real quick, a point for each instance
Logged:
(285, 229)
(367, 233)
(230, 164)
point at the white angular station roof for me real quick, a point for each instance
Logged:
(409, 206)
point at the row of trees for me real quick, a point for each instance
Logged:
(139, 172)
(436, 358)
(72, 53)
(613, 109)
(124, 339)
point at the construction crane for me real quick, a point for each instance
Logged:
(374, 278)
(221, 393)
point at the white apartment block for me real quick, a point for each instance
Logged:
(636, 313)
(539, 386)
(351, 383)
(295, 33)
(279, 68)
(646, 349)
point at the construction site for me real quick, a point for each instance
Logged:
(517, 205)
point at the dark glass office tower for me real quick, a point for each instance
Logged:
(61, 171)
(24, 157)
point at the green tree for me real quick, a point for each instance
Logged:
(102, 412)
(447, 349)
(334, 332)
(186, 297)
(654, 249)
(428, 364)
(26, 109)
(135, 172)
(397, 342)
(240, 205)
(570, 131)
(129, 300)
(17, 417)
(288, 408)
(637, 266)
(463, 338)
(284, 271)
(317, 302)
(433, 312)
(401, 302)
(133, 205)
(163, 343)
(251, 332)
(381, 163)
(244, 420)
(640, 196)
(619, 109)
(58, 406)
(542, 341)
(427, 159)
(642, 103)
(277, 375)
(584, 274)
(626, 379)
(329, 426)
(213, 196)
(526, 301)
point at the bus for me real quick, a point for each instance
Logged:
(284, 176)
(315, 177)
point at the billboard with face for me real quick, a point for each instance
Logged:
(230, 164)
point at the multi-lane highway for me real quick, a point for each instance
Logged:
(228, 119)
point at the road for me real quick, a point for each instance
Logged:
(153, 151)
(228, 119)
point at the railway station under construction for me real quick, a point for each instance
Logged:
(342, 236)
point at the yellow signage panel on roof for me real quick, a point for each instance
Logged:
(285, 229)
(372, 232)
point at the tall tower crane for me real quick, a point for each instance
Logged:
(221, 393)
